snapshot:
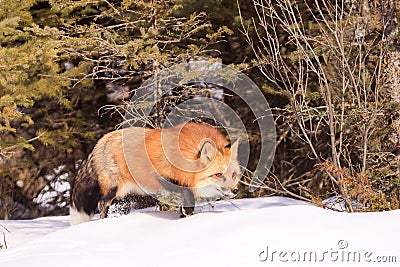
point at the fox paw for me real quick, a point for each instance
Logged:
(186, 211)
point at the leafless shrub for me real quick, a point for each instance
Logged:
(329, 58)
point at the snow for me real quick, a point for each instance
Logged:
(237, 233)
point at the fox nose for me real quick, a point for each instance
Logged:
(235, 191)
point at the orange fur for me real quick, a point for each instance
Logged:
(171, 153)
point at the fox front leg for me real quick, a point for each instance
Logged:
(187, 207)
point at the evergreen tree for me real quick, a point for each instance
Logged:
(60, 62)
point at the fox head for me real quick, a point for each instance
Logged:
(197, 156)
(221, 174)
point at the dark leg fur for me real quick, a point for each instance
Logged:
(106, 201)
(103, 208)
(188, 202)
(187, 207)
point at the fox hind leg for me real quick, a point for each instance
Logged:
(105, 202)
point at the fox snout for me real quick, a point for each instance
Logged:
(230, 192)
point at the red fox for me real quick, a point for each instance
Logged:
(193, 157)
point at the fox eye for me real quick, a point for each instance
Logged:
(220, 176)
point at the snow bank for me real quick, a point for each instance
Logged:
(249, 232)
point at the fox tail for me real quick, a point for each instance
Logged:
(85, 193)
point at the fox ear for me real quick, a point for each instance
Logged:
(207, 151)
(234, 148)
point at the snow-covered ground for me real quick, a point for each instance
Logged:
(272, 231)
